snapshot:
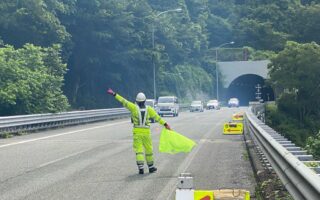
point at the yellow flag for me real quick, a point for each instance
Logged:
(173, 142)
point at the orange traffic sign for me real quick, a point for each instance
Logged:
(237, 117)
(203, 195)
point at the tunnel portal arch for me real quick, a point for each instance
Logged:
(244, 88)
(231, 70)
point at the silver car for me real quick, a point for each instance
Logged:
(213, 104)
(196, 106)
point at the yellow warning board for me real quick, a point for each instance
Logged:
(203, 195)
(235, 194)
(233, 128)
(237, 117)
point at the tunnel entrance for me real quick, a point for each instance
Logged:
(244, 88)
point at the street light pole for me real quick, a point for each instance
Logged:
(217, 90)
(217, 73)
(153, 48)
(154, 65)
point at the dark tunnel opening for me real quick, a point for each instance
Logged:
(244, 88)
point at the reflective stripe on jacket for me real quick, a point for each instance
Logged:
(142, 120)
(140, 125)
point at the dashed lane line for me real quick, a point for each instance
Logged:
(60, 134)
(169, 189)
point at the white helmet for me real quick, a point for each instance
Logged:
(140, 97)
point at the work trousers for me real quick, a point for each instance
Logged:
(142, 145)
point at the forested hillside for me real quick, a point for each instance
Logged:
(108, 43)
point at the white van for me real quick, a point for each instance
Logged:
(168, 105)
(151, 103)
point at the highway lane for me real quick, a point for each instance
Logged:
(96, 161)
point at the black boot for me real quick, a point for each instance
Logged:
(140, 168)
(152, 169)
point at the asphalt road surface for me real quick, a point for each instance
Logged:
(96, 161)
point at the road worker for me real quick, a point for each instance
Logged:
(141, 114)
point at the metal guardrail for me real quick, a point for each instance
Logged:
(24, 123)
(21, 123)
(287, 160)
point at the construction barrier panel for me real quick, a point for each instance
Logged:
(234, 194)
(203, 195)
(184, 194)
(222, 194)
(233, 128)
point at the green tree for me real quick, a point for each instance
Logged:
(294, 75)
(295, 70)
(313, 145)
(32, 21)
(188, 81)
(112, 47)
(109, 42)
(31, 80)
(304, 24)
(259, 35)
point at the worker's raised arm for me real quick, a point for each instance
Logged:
(127, 104)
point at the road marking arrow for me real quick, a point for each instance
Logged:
(206, 198)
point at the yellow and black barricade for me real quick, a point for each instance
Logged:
(230, 194)
(235, 194)
(233, 128)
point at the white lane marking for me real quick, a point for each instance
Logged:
(65, 157)
(172, 184)
(61, 134)
(80, 152)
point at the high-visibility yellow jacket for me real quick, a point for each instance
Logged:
(140, 126)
